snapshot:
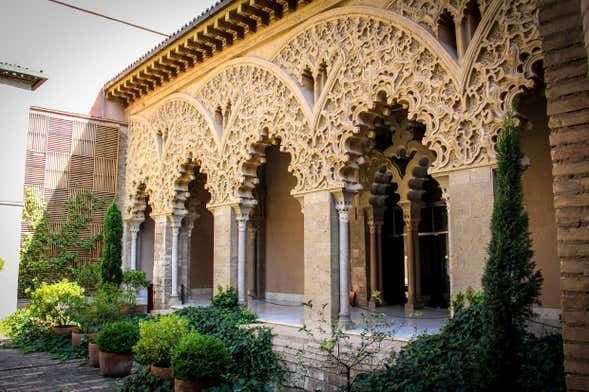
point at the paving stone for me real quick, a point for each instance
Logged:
(38, 372)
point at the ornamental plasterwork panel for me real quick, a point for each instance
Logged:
(247, 105)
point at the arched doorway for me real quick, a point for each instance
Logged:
(276, 264)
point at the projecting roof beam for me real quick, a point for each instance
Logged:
(251, 24)
(206, 49)
(156, 79)
(182, 57)
(178, 65)
(142, 82)
(222, 34)
(255, 12)
(171, 71)
(158, 73)
(276, 8)
(132, 92)
(197, 55)
(207, 38)
(224, 24)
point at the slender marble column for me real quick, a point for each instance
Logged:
(176, 222)
(242, 219)
(379, 255)
(134, 234)
(251, 254)
(373, 267)
(343, 208)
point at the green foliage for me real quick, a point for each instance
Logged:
(225, 298)
(199, 356)
(158, 339)
(450, 360)
(118, 337)
(49, 251)
(135, 279)
(1, 263)
(111, 258)
(89, 277)
(141, 380)
(106, 306)
(511, 286)
(253, 363)
(55, 304)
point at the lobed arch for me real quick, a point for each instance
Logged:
(269, 108)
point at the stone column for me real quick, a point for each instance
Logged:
(373, 267)
(225, 247)
(185, 261)
(251, 258)
(175, 223)
(469, 219)
(411, 219)
(161, 261)
(343, 207)
(134, 229)
(378, 236)
(321, 258)
(242, 219)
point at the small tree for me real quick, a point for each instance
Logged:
(110, 264)
(511, 286)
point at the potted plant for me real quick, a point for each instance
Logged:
(115, 344)
(158, 339)
(198, 361)
(93, 352)
(55, 305)
(86, 320)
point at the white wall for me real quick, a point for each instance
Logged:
(14, 121)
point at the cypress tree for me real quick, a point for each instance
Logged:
(511, 286)
(110, 265)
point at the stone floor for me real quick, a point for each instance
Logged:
(38, 372)
(400, 325)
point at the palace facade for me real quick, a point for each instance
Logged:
(321, 150)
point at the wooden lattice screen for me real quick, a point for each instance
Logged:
(67, 156)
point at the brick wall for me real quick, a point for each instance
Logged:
(567, 92)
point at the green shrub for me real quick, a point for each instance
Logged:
(1, 263)
(111, 261)
(23, 328)
(225, 298)
(141, 380)
(106, 306)
(199, 356)
(119, 337)
(158, 339)
(89, 277)
(54, 304)
(219, 322)
(135, 279)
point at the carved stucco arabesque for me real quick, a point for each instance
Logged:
(365, 51)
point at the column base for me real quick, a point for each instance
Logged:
(174, 301)
(409, 308)
(345, 322)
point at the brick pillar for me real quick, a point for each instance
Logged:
(225, 248)
(567, 93)
(321, 285)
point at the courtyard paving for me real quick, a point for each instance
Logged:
(38, 372)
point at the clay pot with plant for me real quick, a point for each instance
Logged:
(115, 344)
(93, 352)
(133, 281)
(55, 305)
(198, 361)
(85, 318)
(158, 339)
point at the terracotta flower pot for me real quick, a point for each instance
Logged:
(165, 373)
(115, 365)
(64, 329)
(77, 337)
(93, 354)
(194, 386)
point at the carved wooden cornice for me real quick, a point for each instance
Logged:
(216, 29)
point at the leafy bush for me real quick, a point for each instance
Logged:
(452, 360)
(23, 328)
(106, 306)
(54, 304)
(158, 339)
(253, 362)
(1, 263)
(119, 337)
(89, 277)
(135, 279)
(142, 380)
(225, 298)
(199, 356)
(111, 261)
